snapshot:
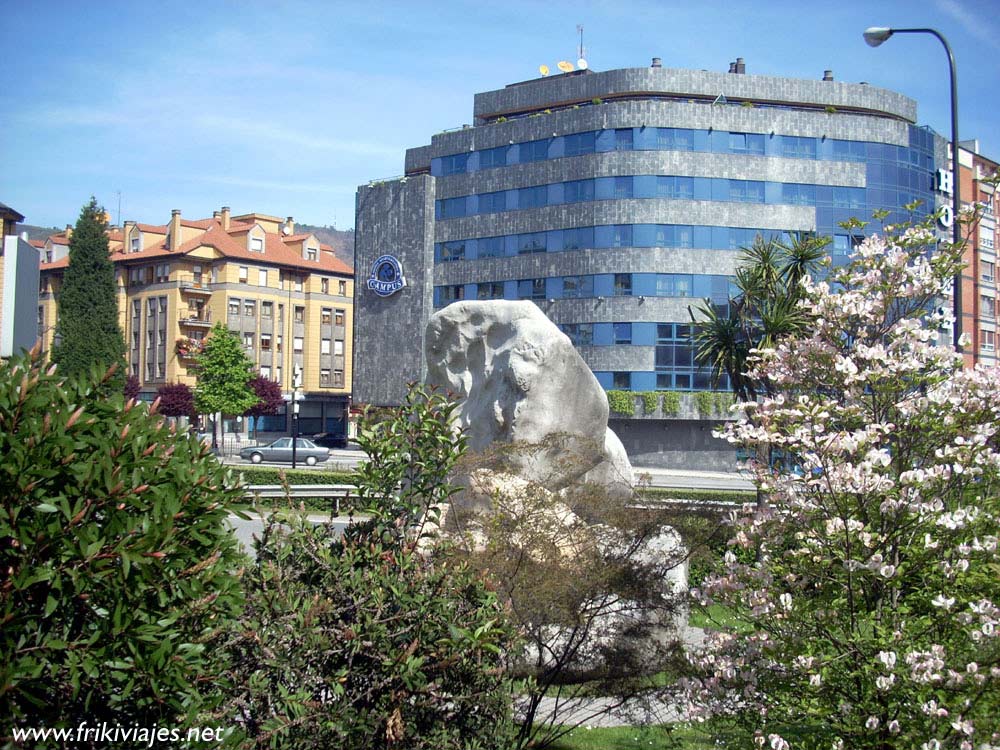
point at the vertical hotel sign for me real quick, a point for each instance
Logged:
(387, 276)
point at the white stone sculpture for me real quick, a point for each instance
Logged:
(519, 379)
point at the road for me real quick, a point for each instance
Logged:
(247, 529)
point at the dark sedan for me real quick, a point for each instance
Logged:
(330, 439)
(281, 450)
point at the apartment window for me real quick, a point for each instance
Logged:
(135, 245)
(326, 316)
(746, 191)
(265, 370)
(669, 186)
(623, 333)
(621, 235)
(338, 378)
(244, 274)
(623, 285)
(797, 147)
(324, 377)
(490, 203)
(985, 240)
(277, 374)
(338, 317)
(623, 139)
(342, 288)
(534, 151)
(674, 139)
(621, 381)
(162, 273)
(312, 253)
(265, 342)
(257, 244)
(297, 283)
(673, 285)
(746, 143)
(136, 276)
(531, 243)
(250, 308)
(575, 239)
(324, 286)
(987, 307)
(281, 313)
(986, 269)
(454, 164)
(261, 277)
(987, 341)
(297, 344)
(451, 208)
(266, 309)
(624, 187)
(248, 341)
(338, 347)
(234, 306)
(324, 346)
(580, 334)
(48, 256)
(277, 344)
(300, 314)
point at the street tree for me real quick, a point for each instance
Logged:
(270, 399)
(866, 585)
(176, 400)
(224, 373)
(90, 338)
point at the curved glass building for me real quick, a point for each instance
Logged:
(616, 201)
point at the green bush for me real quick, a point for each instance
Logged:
(671, 403)
(622, 402)
(271, 475)
(650, 401)
(117, 561)
(373, 640)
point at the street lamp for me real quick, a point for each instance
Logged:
(874, 36)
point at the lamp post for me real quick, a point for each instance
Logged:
(874, 36)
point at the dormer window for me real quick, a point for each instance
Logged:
(135, 244)
(311, 253)
(256, 244)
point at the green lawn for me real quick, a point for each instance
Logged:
(665, 737)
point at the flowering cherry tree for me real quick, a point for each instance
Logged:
(867, 583)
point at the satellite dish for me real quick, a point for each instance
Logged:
(285, 229)
(581, 64)
(564, 66)
(543, 69)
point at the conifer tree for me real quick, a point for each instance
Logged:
(88, 304)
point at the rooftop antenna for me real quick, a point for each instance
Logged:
(119, 207)
(579, 30)
(581, 62)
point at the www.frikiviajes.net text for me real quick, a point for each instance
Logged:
(105, 734)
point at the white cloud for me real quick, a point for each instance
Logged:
(975, 24)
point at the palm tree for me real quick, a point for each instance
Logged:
(764, 310)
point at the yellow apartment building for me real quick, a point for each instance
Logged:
(285, 294)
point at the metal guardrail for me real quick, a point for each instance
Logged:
(336, 492)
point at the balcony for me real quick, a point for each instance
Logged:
(195, 320)
(194, 285)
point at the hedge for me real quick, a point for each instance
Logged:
(272, 475)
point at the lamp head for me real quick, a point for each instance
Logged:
(875, 35)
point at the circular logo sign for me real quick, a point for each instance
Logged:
(387, 276)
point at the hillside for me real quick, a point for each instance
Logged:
(41, 233)
(342, 241)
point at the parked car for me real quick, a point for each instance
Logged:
(330, 439)
(281, 450)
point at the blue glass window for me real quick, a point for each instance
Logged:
(797, 147)
(746, 143)
(531, 243)
(623, 285)
(580, 334)
(452, 251)
(490, 203)
(673, 285)
(454, 164)
(621, 235)
(533, 197)
(675, 187)
(623, 187)
(490, 290)
(746, 191)
(575, 239)
(578, 190)
(489, 247)
(578, 286)
(798, 195)
(531, 289)
(452, 293)
(623, 333)
(533, 151)
(580, 143)
(493, 157)
(675, 139)
(623, 139)
(451, 208)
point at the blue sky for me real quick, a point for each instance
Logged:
(286, 107)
